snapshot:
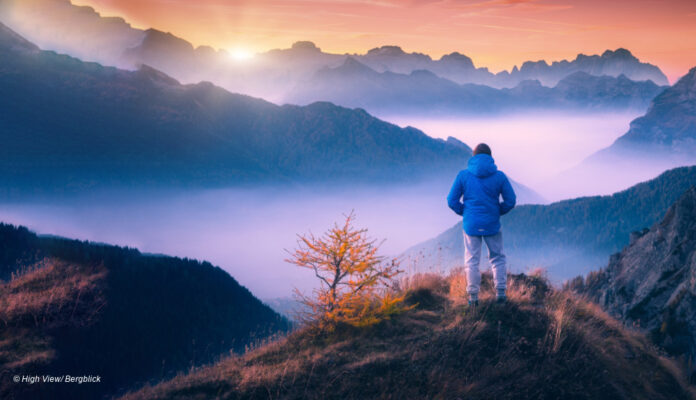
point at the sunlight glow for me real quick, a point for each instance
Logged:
(240, 54)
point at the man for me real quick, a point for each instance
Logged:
(475, 195)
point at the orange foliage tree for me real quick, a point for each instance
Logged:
(354, 279)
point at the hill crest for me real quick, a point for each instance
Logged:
(542, 344)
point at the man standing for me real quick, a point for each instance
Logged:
(475, 195)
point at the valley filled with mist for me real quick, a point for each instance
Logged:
(534, 148)
(246, 230)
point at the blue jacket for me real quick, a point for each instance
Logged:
(475, 195)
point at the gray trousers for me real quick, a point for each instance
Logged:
(472, 259)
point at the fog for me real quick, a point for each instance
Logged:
(244, 232)
(535, 148)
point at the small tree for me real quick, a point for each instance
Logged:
(354, 279)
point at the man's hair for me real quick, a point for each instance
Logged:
(482, 148)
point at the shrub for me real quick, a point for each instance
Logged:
(354, 280)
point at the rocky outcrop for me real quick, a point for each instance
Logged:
(668, 127)
(651, 284)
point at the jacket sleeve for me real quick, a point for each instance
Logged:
(455, 195)
(509, 197)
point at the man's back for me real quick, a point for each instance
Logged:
(475, 195)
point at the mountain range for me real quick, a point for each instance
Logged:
(279, 75)
(651, 284)
(570, 237)
(460, 68)
(663, 138)
(66, 123)
(667, 129)
(71, 307)
(354, 84)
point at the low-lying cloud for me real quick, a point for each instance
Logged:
(534, 148)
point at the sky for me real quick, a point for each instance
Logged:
(497, 34)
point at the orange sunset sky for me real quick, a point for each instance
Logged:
(496, 33)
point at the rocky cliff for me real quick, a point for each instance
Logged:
(651, 284)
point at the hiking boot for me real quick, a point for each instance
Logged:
(500, 297)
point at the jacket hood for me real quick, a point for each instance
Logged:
(482, 165)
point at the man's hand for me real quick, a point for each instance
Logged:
(454, 198)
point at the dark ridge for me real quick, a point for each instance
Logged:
(130, 318)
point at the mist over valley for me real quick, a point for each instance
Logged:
(535, 147)
(244, 231)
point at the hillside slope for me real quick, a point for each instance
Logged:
(651, 284)
(66, 124)
(87, 309)
(570, 237)
(543, 344)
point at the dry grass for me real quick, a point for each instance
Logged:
(39, 298)
(541, 344)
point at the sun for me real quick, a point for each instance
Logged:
(240, 54)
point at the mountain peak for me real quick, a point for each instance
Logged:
(350, 66)
(540, 65)
(305, 45)
(458, 58)
(456, 142)
(688, 80)
(155, 75)
(11, 40)
(669, 126)
(165, 41)
(353, 64)
(619, 54)
(386, 51)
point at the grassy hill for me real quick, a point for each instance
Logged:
(71, 307)
(543, 344)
